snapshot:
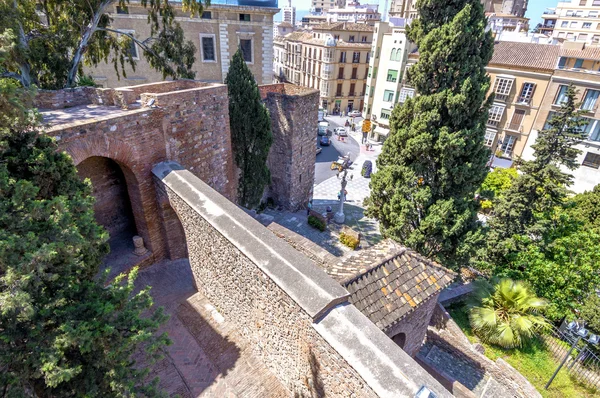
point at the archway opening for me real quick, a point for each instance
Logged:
(112, 209)
(400, 339)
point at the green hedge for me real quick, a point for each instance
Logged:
(315, 222)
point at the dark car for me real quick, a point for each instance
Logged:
(325, 141)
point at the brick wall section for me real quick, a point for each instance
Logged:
(445, 333)
(267, 317)
(414, 326)
(59, 99)
(293, 111)
(304, 245)
(197, 134)
(112, 208)
(135, 141)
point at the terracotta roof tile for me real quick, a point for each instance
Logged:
(586, 53)
(347, 26)
(388, 281)
(527, 55)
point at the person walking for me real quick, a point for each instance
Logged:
(309, 207)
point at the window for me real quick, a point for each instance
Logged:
(592, 129)
(590, 99)
(369, 72)
(405, 94)
(587, 25)
(561, 95)
(596, 39)
(377, 52)
(208, 48)
(206, 15)
(596, 2)
(368, 57)
(490, 136)
(343, 57)
(246, 47)
(363, 39)
(591, 160)
(388, 95)
(355, 57)
(582, 2)
(374, 72)
(570, 36)
(526, 93)
(570, 13)
(385, 114)
(582, 37)
(573, 24)
(502, 87)
(354, 72)
(338, 91)
(564, 24)
(133, 53)
(351, 40)
(508, 143)
(578, 63)
(341, 73)
(352, 87)
(122, 10)
(245, 17)
(392, 75)
(393, 55)
(398, 55)
(495, 115)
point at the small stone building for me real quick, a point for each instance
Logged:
(395, 287)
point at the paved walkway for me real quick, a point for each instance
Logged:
(208, 357)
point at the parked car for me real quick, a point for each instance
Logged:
(341, 131)
(325, 141)
(323, 128)
(354, 114)
(319, 149)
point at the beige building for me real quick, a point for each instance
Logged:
(217, 34)
(403, 9)
(519, 75)
(332, 58)
(578, 65)
(324, 5)
(575, 20)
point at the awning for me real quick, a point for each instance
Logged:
(382, 131)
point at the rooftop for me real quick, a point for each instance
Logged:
(592, 53)
(388, 281)
(526, 55)
(346, 26)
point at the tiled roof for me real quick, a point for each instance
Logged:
(349, 26)
(526, 55)
(285, 25)
(388, 281)
(586, 53)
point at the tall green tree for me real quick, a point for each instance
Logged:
(526, 210)
(251, 135)
(434, 159)
(54, 38)
(62, 333)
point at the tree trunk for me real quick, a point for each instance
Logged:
(24, 67)
(83, 43)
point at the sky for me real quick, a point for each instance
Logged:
(534, 10)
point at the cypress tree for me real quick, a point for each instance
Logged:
(251, 135)
(434, 159)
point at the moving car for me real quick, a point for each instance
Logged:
(323, 128)
(341, 131)
(325, 141)
(354, 114)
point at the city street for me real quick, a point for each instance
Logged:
(330, 153)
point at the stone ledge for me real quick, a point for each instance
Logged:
(388, 370)
(300, 278)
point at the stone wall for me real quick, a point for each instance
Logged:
(296, 317)
(59, 99)
(445, 333)
(414, 326)
(293, 111)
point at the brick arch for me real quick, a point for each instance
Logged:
(138, 179)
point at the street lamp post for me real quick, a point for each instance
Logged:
(581, 332)
(340, 217)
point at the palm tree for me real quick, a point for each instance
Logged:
(507, 313)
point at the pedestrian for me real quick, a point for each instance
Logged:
(309, 207)
(339, 195)
(351, 177)
(353, 127)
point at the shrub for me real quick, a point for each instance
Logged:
(349, 241)
(316, 223)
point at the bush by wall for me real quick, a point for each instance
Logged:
(315, 222)
(349, 241)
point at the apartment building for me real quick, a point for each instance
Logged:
(519, 75)
(332, 58)
(367, 13)
(406, 9)
(223, 27)
(289, 13)
(575, 20)
(319, 6)
(384, 89)
(579, 65)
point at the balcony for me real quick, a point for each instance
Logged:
(492, 123)
(516, 127)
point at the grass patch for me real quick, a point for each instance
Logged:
(533, 361)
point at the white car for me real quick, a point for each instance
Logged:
(341, 131)
(354, 114)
